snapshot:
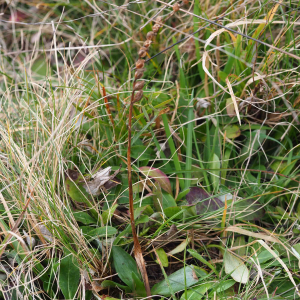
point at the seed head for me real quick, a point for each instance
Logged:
(142, 52)
(139, 85)
(176, 7)
(155, 28)
(139, 74)
(138, 96)
(140, 63)
(147, 43)
(158, 20)
(186, 2)
(150, 35)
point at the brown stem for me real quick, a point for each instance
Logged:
(138, 254)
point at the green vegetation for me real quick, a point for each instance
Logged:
(215, 150)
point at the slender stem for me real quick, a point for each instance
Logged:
(137, 247)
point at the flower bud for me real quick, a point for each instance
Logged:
(186, 2)
(138, 96)
(140, 63)
(158, 20)
(147, 43)
(139, 73)
(176, 7)
(150, 35)
(155, 28)
(139, 85)
(142, 52)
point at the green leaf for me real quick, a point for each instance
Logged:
(109, 283)
(265, 255)
(124, 265)
(83, 217)
(178, 281)
(162, 257)
(90, 232)
(222, 287)
(180, 247)
(162, 200)
(236, 268)
(232, 131)
(139, 288)
(222, 75)
(107, 214)
(183, 193)
(195, 254)
(173, 210)
(197, 292)
(214, 165)
(69, 276)
(74, 188)
(40, 67)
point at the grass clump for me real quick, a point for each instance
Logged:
(210, 147)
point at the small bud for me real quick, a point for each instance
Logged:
(186, 2)
(176, 7)
(155, 28)
(142, 52)
(140, 63)
(139, 85)
(150, 35)
(138, 96)
(147, 43)
(139, 73)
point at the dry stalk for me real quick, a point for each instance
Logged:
(136, 96)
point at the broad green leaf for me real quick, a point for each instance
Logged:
(168, 201)
(222, 287)
(69, 276)
(197, 292)
(40, 67)
(173, 210)
(84, 217)
(139, 288)
(265, 255)
(142, 220)
(145, 210)
(162, 257)
(124, 265)
(178, 281)
(236, 268)
(232, 131)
